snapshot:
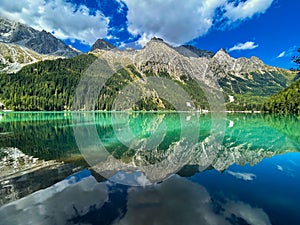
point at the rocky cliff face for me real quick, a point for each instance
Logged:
(13, 57)
(102, 45)
(236, 76)
(39, 41)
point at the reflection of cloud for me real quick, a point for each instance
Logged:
(179, 201)
(242, 176)
(287, 170)
(253, 216)
(279, 167)
(56, 204)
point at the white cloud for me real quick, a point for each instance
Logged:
(243, 46)
(247, 9)
(176, 21)
(58, 16)
(288, 53)
(242, 176)
(282, 54)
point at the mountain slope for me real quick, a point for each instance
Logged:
(45, 85)
(245, 83)
(13, 57)
(286, 101)
(39, 41)
(248, 82)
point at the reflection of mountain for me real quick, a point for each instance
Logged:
(159, 144)
(22, 175)
(248, 140)
(58, 203)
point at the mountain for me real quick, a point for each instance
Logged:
(13, 57)
(190, 51)
(248, 82)
(245, 83)
(102, 45)
(286, 101)
(39, 41)
(45, 85)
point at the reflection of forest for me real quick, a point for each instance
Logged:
(288, 125)
(42, 135)
(248, 139)
(50, 135)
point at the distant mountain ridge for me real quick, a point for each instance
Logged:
(39, 41)
(245, 82)
(21, 45)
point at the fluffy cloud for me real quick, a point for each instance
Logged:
(242, 176)
(243, 46)
(58, 16)
(246, 9)
(179, 21)
(176, 21)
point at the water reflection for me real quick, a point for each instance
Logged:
(157, 144)
(38, 151)
(81, 199)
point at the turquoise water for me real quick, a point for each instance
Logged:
(149, 168)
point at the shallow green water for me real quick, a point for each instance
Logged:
(238, 169)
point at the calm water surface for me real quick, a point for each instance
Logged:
(148, 168)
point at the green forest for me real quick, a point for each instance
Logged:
(46, 85)
(50, 86)
(286, 101)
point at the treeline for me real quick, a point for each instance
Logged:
(286, 101)
(47, 85)
(50, 85)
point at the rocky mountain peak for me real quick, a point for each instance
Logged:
(157, 39)
(41, 42)
(102, 45)
(191, 51)
(222, 54)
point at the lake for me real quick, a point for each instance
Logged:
(149, 168)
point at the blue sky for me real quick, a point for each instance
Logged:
(264, 28)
